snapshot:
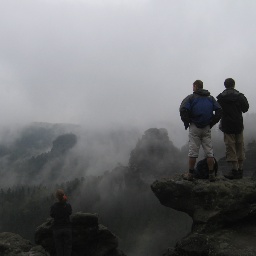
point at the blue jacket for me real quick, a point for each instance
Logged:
(201, 109)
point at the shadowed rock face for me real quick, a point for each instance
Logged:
(12, 244)
(223, 214)
(154, 155)
(89, 237)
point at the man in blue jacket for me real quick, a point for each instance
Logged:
(234, 104)
(200, 112)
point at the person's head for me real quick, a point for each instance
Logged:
(60, 195)
(198, 84)
(229, 83)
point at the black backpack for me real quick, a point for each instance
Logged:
(202, 171)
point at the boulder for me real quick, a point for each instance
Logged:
(89, 237)
(13, 244)
(223, 214)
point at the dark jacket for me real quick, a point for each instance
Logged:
(233, 104)
(199, 108)
(61, 211)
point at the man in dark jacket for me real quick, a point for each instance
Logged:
(234, 104)
(200, 112)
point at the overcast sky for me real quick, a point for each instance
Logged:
(108, 62)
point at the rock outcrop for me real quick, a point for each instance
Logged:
(154, 155)
(14, 245)
(89, 238)
(223, 214)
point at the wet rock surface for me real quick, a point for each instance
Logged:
(12, 244)
(223, 214)
(89, 238)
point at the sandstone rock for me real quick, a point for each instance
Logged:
(223, 214)
(12, 244)
(89, 237)
(37, 251)
(154, 155)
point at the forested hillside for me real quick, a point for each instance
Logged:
(23, 208)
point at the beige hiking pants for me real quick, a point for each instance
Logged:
(234, 147)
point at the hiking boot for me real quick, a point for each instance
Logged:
(188, 176)
(240, 173)
(212, 176)
(232, 174)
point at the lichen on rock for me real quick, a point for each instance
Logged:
(223, 214)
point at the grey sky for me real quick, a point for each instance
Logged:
(120, 62)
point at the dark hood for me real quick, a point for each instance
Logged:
(202, 92)
(229, 95)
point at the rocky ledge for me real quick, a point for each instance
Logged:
(223, 214)
(89, 238)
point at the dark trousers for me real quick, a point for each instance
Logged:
(63, 241)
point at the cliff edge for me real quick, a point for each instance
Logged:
(223, 214)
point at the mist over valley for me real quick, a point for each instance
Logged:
(108, 172)
(90, 96)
